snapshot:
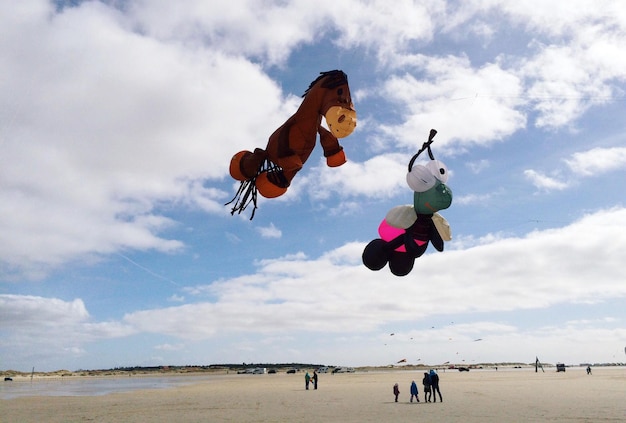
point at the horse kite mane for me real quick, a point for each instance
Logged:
(336, 78)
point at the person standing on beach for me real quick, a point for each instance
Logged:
(588, 370)
(307, 379)
(314, 379)
(426, 383)
(396, 391)
(414, 392)
(434, 386)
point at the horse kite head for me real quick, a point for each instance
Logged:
(330, 93)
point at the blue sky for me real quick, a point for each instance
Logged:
(118, 121)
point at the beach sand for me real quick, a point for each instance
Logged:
(506, 395)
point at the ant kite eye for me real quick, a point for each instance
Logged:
(439, 170)
(420, 179)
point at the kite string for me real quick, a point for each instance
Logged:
(145, 269)
(542, 97)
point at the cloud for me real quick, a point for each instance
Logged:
(475, 106)
(572, 52)
(537, 271)
(381, 176)
(119, 124)
(478, 166)
(240, 28)
(544, 182)
(289, 296)
(169, 347)
(270, 231)
(43, 330)
(18, 310)
(413, 23)
(597, 161)
(176, 298)
(593, 162)
(472, 199)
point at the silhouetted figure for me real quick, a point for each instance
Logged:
(434, 386)
(426, 383)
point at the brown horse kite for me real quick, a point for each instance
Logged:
(271, 170)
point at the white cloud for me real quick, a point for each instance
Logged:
(553, 267)
(18, 310)
(544, 182)
(119, 124)
(381, 176)
(597, 161)
(574, 50)
(170, 347)
(594, 162)
(177, 298)
(467, 105)
(412, 22)
(478, 166)
(270, 231)
(291, 295)
(472, 199)
(265, 30)
(43, 330)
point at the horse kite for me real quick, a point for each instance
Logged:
(270, 171)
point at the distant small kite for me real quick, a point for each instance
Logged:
(402, 361)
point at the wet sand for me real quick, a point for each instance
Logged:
(506, 395)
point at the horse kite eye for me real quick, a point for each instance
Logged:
(340, 91)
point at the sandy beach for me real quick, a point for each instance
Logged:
(506, 395)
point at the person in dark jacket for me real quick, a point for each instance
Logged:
(434, 386)
(396, 391)
(426, 383)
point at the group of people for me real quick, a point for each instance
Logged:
(431, 388)
(430, 381)
(310, 379)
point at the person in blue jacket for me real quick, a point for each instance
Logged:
(414, 392)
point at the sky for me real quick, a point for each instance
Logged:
(118, 120)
